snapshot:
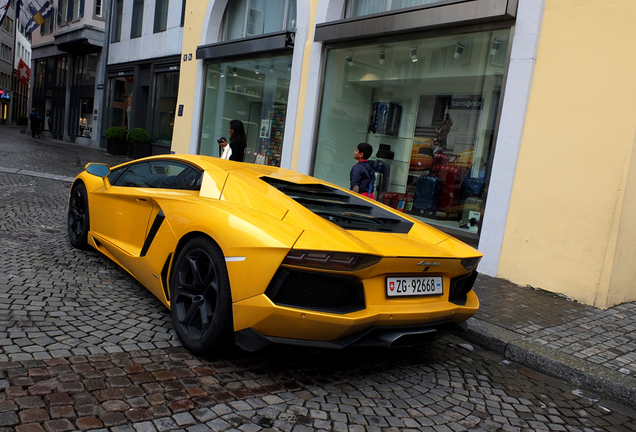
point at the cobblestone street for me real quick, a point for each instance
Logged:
(84, 347)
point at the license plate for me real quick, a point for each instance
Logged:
(414, 286)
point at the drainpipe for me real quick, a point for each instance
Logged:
(102, 76)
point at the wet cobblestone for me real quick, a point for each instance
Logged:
(84, 347)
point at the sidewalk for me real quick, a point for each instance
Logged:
(591, 348)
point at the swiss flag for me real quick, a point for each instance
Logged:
(24, 72)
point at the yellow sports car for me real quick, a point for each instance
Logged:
(261, 255)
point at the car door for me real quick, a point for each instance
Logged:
(120, 214)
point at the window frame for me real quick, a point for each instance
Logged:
(137, 15)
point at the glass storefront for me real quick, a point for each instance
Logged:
(166, 92)
(428, 107)
(82, 89)
(254, 92)
(120, 101)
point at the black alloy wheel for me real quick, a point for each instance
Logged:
(200, 297)
(78, 221)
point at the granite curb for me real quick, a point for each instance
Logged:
(515, 347)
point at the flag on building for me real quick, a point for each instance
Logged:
(4, 9)
(38, 16)
(24, 72)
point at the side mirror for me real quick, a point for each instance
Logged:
(98, 169)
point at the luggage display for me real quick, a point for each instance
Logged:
(385, 118)
(474, 186)
(471, 212)
(382, 171)
(451, 178)
(427, 191)
(439, 160)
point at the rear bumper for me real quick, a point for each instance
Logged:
(381, 337)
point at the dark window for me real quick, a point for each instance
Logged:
(158, 174)
(161, 15)
(137, 18)
(117, 16)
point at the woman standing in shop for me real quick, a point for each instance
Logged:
(238, 141)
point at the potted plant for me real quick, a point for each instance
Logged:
(23, 122)
(138, 143)
(116, 140)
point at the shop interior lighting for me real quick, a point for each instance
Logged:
(381, 57)
(234, 72)
(349, 61)
(459, 50)
(256, 70)
(495, 47)
(413, 55)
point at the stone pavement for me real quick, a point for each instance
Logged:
(84, 347)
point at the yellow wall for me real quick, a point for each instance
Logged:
(195, 17)
(570, 226)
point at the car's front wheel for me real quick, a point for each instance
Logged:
(78, 221)
(200, 297)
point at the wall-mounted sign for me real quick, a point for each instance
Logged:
(180, 113)
(100, 86)
(467, 103)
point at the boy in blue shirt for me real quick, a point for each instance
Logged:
(362, 175)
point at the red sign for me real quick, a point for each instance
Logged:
(24, 72)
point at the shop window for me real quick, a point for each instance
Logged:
(244, 18)
(357, 8)
(254, 92)
(161, 16)
(429, 108)
(137, 18)
(166, 92)
(120, 100)
(60, 71)
(82, 118)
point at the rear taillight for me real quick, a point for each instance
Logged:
(330, 260)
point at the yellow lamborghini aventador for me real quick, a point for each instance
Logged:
(266, 255)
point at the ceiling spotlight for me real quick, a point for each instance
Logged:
(349, 61)
(381, 57)
(256, 70)
(413, 55)
(495, 47)
(459, 50)
(234, 72)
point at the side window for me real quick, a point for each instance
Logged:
(136, 175)
(189, 179)
(115, 174)
(158, 174)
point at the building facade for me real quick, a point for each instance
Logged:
(67, 64)
(142, 77)
(20, 95)
(480, 98)
(7, 42)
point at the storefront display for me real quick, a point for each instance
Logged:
(428, 107)
(254, 92)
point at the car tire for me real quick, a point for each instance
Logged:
(200, 297)
(78, 218)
